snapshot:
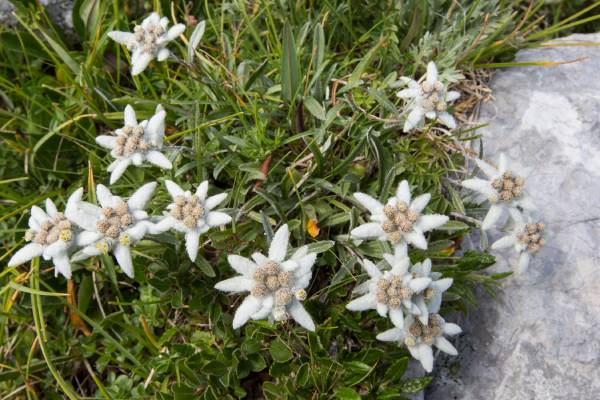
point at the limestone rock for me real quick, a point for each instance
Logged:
(540, 339)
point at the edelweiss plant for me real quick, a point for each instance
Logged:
(418, 337)
(504, 189)
(135, 143)
(51, 235)
(400, 221)
(526, 238)
(428, 99)
(276, 285)
(192, 214)
(114, 226)
(430, 299)
(391, 291)
(148, 41)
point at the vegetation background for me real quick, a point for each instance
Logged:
(288, 106)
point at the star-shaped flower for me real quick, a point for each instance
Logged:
(114, 226)
(430, 299)
(503, 189)
(276, 285)
(135, 143)
(526, 238)
(419, 337)
(192, 214)
(391, 291)
(429, 98)
(148, 41)
(51, 235)
(400, 221)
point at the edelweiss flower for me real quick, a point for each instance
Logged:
(135, 143)
(114, 226)
(429, 99)
(391, 291)
(503, 189)
(276, 285)
(526, 238)
(400, 220)
(148, 41)
(192, 214)
(51, 235)
(430, 299)
(419, 337)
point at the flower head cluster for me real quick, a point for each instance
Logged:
(50, 235)
(428, 99)
(276, 285)
(148, 41)
(191, 214)
(400, 221)
(504, 189)
(114, 226)
(419, 337)
(135, 143)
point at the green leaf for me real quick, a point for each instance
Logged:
(195, 39)
(280, 351)
(415, 385)
(290, 66)
(315, 108)
(347, 393)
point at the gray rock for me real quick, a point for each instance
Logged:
(59, 12)
(540, 339)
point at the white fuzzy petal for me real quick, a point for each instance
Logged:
(140, 63)
(403, 192)
(420, 202)
(259, 258)
(451, 329)
(417, 239)
(141, 196)
(391, 335)
(121, 37)
(86, 238)
(382, 309)
(129, 116)
(493, 215)
(62, 265)
(370, 203)
(25, 254)
(214, 201)
(523, 264)
(414, 119)
(447, 119)
(426, 357)
(50, 208)
(217, 218)
(432, 221)
(397, 317)
(419, 284)
(156, 128)
(119, 169)
(202, 190)
(123, 256)
(163, 54)
(444, 345)
(265, 309)
(39, 214)
(504, 242)
(452, 95)
(109, 142)
(175, 31)
(441, 285)
(242, 265)
(371, 269)
(432, 73)
(192, 240)
(300, 315)
(366, 302)
(174, 189)
(279, 245)
(235, 284)
(481, 186)
(105, 197)
(55, 249)
(249, 306)
(486, 168)
(502, 163)
(408, 93)
(367, 231)
(159, 159)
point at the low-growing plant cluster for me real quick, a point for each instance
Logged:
(291, 118)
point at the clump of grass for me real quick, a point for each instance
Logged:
(289, 106)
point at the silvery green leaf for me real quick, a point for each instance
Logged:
(195, 39)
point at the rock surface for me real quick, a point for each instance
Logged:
(541, 338)
(59, 12)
